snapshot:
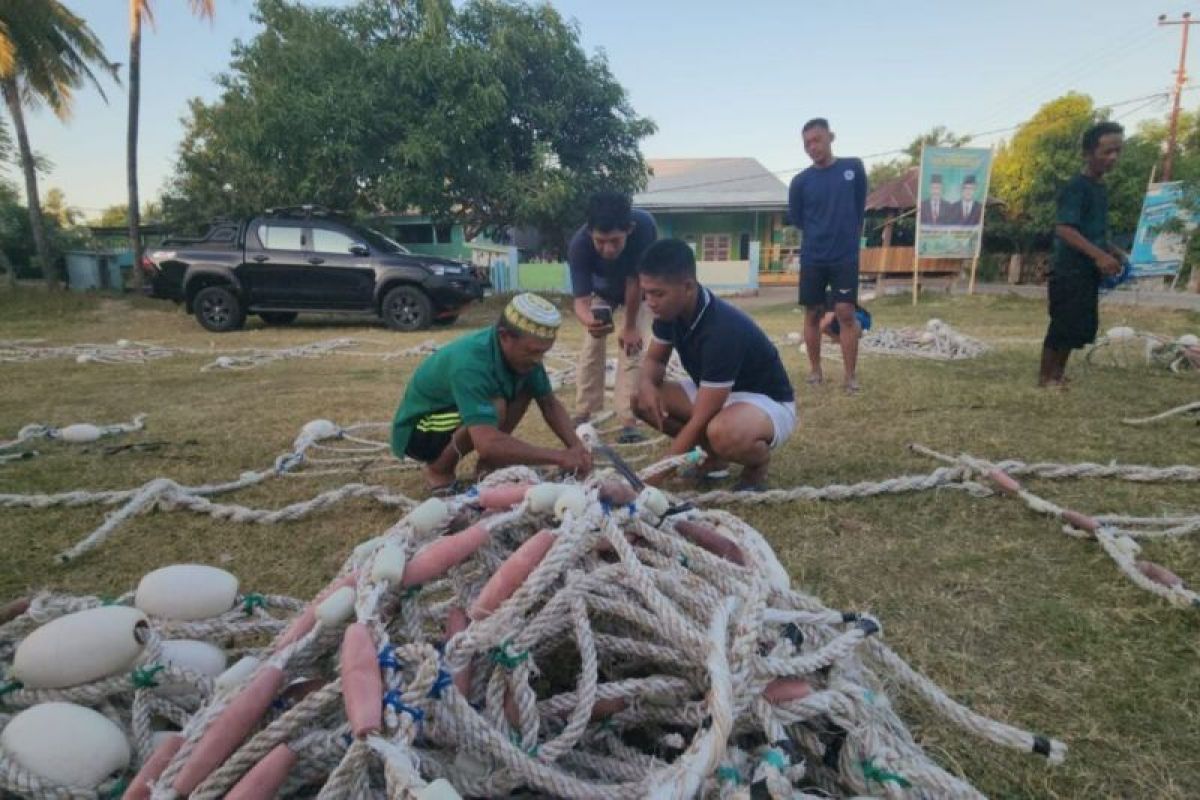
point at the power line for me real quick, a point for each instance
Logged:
(1156, 96)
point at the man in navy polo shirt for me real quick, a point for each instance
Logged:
(737, 402)
(603, 257)
(827, 202)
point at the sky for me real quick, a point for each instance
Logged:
(719, 79)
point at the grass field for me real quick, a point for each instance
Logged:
(992, 602)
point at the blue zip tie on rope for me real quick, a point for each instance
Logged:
(444, 679)
(392, 698)
(387, 658)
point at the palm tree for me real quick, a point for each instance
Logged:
(46, 52)
(139, 10)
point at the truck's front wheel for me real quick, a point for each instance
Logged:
(218, 309)
(407, 308)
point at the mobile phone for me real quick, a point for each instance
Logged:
(602, 314)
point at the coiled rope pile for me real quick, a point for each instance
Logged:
(938, 341)
(1123, 345)
(566, 640)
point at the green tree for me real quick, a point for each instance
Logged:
(112, 216)
(142, 11)
(1044, 153)
(490, 114)
(938, 136)
(56, 208)
(51, 52)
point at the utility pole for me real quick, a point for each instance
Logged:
(1186, 22)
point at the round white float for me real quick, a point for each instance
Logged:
(426, 517)
(319, 429)
(572, 499)
(654, 501)
(201, 657)
(388, 564)
(338, 607)
(1188, 340)
(186, 592)
(542, 497)
(79, 433)
(66, 744)
(80, 647)
(238, 674)
(1121, 332)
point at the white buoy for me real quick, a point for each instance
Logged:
(572, 499)
(1121, 332)
(319, 429)
(654, 501)
(543, 496)
(795, 337)
(83, 358)
(441, 789)
(123, 343)
(1188, 340)
(80, 433)
(80, 648)
(196, 656)
(428, 516)
(236, 675)
(338, 607)
(66, 744)
(186, 592)
(225, 362)
(388, 564)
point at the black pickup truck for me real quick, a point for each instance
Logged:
(306, 259)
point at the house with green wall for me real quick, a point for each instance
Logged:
(732, 211)
(421, 234)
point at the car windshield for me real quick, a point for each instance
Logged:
(378, 241)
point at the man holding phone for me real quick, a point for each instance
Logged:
(603, 257)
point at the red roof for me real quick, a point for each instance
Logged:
(899, 193)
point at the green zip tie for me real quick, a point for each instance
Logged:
(411, 592)
(118, 790)
(775, 758)
(506, 659)
(10, 687)
(874, 773)
(143, 677)
(252, 601)
(729, 775)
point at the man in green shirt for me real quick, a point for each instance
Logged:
(472, 393)
(1082, 254)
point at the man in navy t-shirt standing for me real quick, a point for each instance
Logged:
(603, 257)
(737, 402)
(827, 202)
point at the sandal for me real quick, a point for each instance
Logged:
(447, 490)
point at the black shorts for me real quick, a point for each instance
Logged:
(841, 281)
(1074, 310)
(431, 435)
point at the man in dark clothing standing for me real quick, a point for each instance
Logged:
(826, 202)
(1082, 254)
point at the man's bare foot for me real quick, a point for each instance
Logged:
(815, 378)
(850, 386)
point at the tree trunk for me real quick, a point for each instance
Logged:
(131, 140)
(12, 98)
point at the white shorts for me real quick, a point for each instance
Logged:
(782, 415)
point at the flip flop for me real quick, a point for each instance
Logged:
(814, 380)
(452, 489)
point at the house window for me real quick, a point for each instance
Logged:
(714, 247)
(444, 235)
(420, 233)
